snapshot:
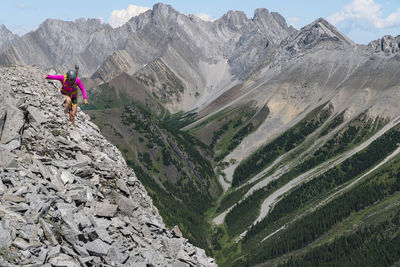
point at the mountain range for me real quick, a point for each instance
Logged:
(246, 126)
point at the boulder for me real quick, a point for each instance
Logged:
(12, 126)
(103, 209)
(97, 248)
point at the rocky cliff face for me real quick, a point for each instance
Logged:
(67, 197)
(320, 33)
(207, 57)
(7, 38)
(59, 44)
(387, 44)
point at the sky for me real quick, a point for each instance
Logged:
(360, 20)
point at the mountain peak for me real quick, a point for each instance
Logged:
(163, 9)
(318, 32)
(272, 24)
(234, 19)
(3, 28)
(327, 29)
(261, 12)
(322, 21)
(235, 15)
(6, 38)
(162, 6)
(162, 15)
(83, 24)
(92, 21)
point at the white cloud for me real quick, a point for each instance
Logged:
(366, 10)
(391, 21)
(120, 17)
(24, 6)
(205, 17)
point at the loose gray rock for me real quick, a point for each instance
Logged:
(81, 251)
(36, 115)
(121, 185)
(104, 209)
(48, 232)
(125, 205)
(13, 198)
(12, 126)
(54, 252)
(21, 243)
(5, 233)
(67, 196)
(7, 159)
(63, 260)
(97, 248)
(66, 177)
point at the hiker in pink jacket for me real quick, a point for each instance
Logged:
(69, 89)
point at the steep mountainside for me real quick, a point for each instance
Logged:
(7, 38)
(173, 165)
(266, 145)
(67, 197)
(60, 44)
(319, 65)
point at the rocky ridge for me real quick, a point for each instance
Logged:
(387, 44)
(7, 38)
(67, 197)
(60, 43)
(317, 33)
(96, 47)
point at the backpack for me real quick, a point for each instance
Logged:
(74, 93)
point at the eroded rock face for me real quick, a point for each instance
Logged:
(67, 197)
(387, 45)
(7, 38)
(320, 33)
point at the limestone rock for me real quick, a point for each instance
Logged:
(6, 38)
(48, 233)
(13, 198)
(66, 177)
(54, 252)
(63, 260)
(12, 126)
(36, 114)
(104, 209)
(5, 233)
(125, 205)
(97, 248)
(62, 205)
(176, 231)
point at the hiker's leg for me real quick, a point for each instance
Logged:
(72, 114)
(67, 103)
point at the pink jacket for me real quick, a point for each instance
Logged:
(67, 86)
